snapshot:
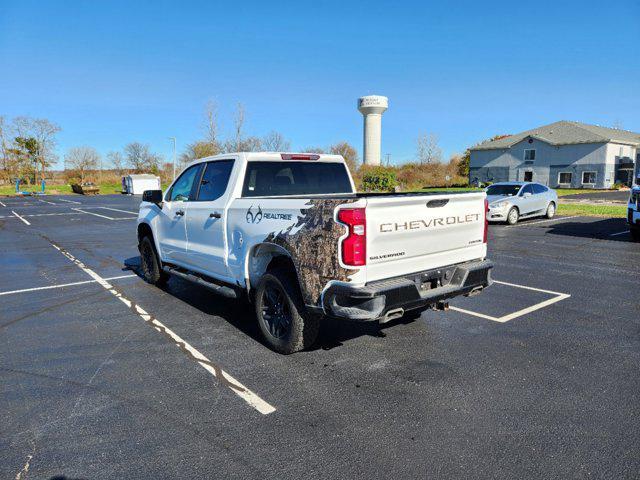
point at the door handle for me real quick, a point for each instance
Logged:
(180, 213)
(215, 215)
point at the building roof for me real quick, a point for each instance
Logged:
(566, 133)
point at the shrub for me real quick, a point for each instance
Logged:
(379, 179)
(415, 176)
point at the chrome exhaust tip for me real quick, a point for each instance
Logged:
(392, 315)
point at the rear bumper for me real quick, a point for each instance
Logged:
(417, 290)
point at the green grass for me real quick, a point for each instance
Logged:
(562, 192)
(105, 188)
(615, 211)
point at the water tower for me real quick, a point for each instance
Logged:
(372, 107)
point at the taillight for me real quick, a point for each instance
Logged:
(299, 156)
(354, 246)
(486, 220)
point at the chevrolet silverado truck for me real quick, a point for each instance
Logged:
(633, 213)
(289, 233)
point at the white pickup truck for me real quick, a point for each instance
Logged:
(290, 232)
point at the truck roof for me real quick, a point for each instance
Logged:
(276, 156)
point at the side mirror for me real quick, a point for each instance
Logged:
(153, 196)
(526, 194)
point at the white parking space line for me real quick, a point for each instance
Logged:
(45, 201)
(42, 214)
(227, 380)
(524, 223)
(2, 204)
(104, 216)
(118, 210)
(62, 285)
(524, 287)
(619, 233)
(25, 221)
(51, 214)
(510, 316)
(69, 201)
(92, 213)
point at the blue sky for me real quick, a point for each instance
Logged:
(114, 72)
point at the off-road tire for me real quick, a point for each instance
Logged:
(513, 216)
(150, 264)
(551, 210)
(303, 327)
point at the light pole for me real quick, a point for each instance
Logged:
(174, 156)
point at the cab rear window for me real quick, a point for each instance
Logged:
(266, 179)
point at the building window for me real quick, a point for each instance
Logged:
(564, 178)
(530, 154)
(588, 178)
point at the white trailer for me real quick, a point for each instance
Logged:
(136, 184)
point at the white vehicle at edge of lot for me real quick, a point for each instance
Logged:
(511, 201)
(633, 213)
(289, 232)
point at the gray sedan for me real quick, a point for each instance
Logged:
(510, 201)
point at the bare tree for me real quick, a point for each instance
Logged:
(43, 132)
(212, 127)
(239, 125)
(250, 144)
(313, 150)
(140, 158)
(5, 156)
(275, 142)
(428, 150)
(349, 154)
(117, 162)
(82, 159)
(198, 150)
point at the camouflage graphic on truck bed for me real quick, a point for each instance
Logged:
(313, 247)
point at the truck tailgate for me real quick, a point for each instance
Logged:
(411, 233)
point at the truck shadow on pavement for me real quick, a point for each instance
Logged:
(240, 314)
(606, 229)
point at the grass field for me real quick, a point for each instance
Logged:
(617, 211)
(105, 188)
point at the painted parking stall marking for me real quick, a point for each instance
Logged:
(519, 313)
(526, 224)
(619, 233)
(62, 285)
(119, 210)
(41, 214)
(224, 377)
(21, 218)
(69, 201)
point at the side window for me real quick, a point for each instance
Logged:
(539, 188)
(526, 189)
(182, 188)
(214, 180)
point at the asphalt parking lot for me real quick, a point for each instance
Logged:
(104, 376)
